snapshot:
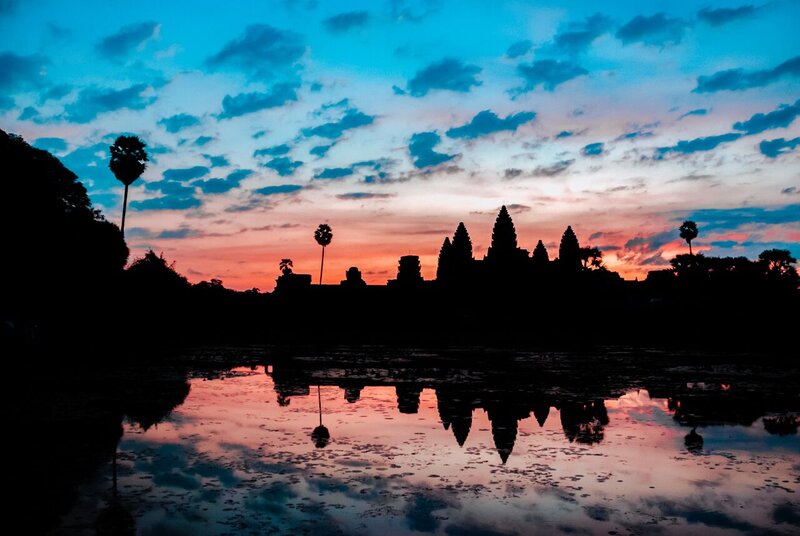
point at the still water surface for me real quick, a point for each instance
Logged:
(453, 453)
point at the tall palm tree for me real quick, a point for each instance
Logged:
(688, 230)
(128, 159)
(323, 236)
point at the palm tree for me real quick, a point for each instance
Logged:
(128, 159)
(285, 266)
(323, 236)
(688, 230)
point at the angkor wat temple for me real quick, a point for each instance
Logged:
(505, 263)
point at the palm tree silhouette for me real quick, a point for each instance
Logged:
(128, 159)
(320, 435)
(688, 230)
(285, 266)
(323, 236)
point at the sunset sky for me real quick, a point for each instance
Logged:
(393, 121)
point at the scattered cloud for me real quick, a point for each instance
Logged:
(126, 39)
(185, 174)
(696, 111)
(779, 118)
(261, 52)
(578, 36)
(217, 160)
(657, 30)
(279, 189)
(352, 118)
(512, 173)
(791, 190)
(93, 101)
(546, 73)
(19, 73)
(220, 186)
(176, 123)
(592, 149)
(421, 150)
(553, 169)
(167, 202)
(53, 145)
(344, 22)
(28, 113)
(726, 219)
(201, 141)
(320, 150)
(520, 48)
(739, 79)
(565, 134)
(487, 122)
(358, 196)
(449, 74)
(275, 150)
(283, 165)
(247, 103)
(335, 173)
(698, 144)
(719, 17)
(775, 148)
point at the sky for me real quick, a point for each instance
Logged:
(393, 121)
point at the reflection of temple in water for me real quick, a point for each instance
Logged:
(509, 396)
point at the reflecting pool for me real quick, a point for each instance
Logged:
(538, 444)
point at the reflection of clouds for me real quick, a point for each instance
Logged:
(246, 465)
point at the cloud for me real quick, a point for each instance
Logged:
(200, 141)
(283, 165)
(344, 22)
(167, 202)
(725, 219)
(512, 173)
(775, 148)
(280, 189)
(779, 118)
(275, 150)
(220, 186)
(656, 30)
(217, 160)
(353, 196)
(7, 7)
(553, 169)
(56, 92)
(516, 208)
(352, 118)
(565, 134)
(791, 190)
(93, 101)
(448, 74)
(335, 173)
(21, 72)
(53, 145)
(29, 112)
(718, 17)
(637, 133)
(577, 37)
(247, 103)
(185, 174)
(179, 234)
(547, 73)
(592, 149)
(421, 150)
(261, 52)
(126, 39)
(650, 243)
(698, 144)
(739, 79)
(520, 48)
(320, 150)
(176, 123)
(487, 122)
(696, 111)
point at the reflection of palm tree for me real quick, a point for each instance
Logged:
(127, 162)
(115, 519)
(320, 435)
(323, 236)
(688, 231)
(693, 441)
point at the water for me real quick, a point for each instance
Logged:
(534, 446)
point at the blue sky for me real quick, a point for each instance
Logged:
(393, 121)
